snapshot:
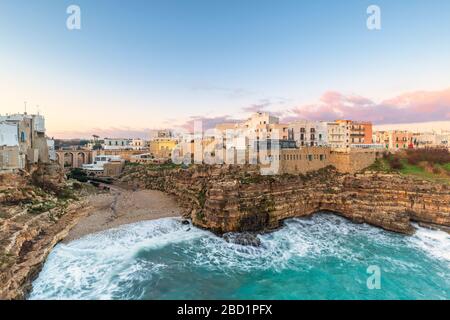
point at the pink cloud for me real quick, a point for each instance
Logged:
(207, 122)
(411, 107)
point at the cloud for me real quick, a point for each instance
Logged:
(412, 107)
(112, 132)
(266, 105)
(207, 122)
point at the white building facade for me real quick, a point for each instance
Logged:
(309, 133)
(117, 144)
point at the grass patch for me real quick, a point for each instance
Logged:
(403, 166)
(446, 167)
(163, 166)
(420, 172)
(41, 207)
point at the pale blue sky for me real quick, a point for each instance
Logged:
(145, 64)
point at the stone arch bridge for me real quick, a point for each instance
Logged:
(73, 158)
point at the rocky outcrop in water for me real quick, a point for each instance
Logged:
(244, 239)
(238, 199)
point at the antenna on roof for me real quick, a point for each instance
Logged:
(25, 103)
(37, 107)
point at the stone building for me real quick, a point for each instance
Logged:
(10, 158)
(162, 147)
(303, 160)
(26, 134)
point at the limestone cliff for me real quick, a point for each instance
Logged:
(236, 199)
(37, 209)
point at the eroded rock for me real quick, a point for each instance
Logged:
(244, 239)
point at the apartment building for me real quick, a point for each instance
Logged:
(309, 133)
(338, 136)
(394, 140)
(345, 134)
(117, 143)
(138, 144)
(358, 132)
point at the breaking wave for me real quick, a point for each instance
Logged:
(321, 257)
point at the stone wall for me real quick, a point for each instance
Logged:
(352, 161)
(303, 160)
(9, 158)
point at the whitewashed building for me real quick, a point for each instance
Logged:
(9, 134)
(309, 133)
(138, 144)
(117, 144)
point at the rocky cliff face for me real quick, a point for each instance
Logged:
(238, 199)
(37, 209)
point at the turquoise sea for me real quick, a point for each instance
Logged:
(321, 257)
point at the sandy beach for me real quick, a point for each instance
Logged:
(121, 206)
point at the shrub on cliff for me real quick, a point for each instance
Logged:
(394, 161)
(78, 174)
(431, 155)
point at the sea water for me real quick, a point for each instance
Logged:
(321, 257)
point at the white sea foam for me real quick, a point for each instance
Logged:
(91, 267)
(126, 261)
(432, 242)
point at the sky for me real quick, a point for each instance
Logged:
(140, 65)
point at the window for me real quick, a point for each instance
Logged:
(22, 136)
(310, 157)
